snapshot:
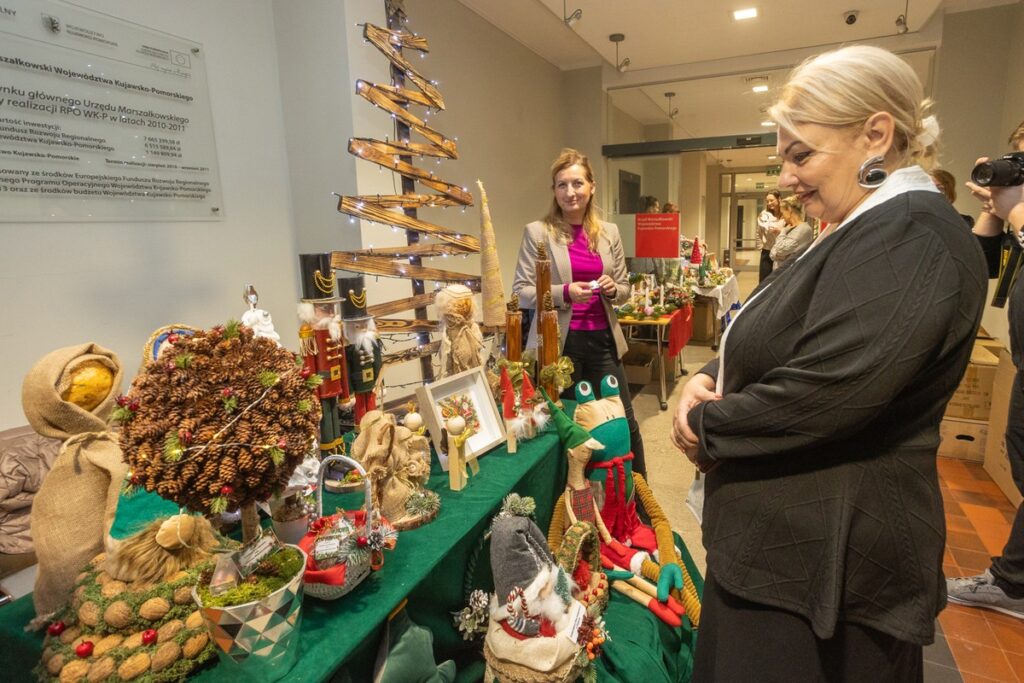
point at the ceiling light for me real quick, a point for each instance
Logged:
(672, 113)
(773, 157)
(571, 19)
(767, 123)
(623, 65)
(741, 14)
(760, 88)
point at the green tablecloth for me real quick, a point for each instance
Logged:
(429, 564)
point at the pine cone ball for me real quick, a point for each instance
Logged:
(234, 396)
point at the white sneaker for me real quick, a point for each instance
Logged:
(981, 591)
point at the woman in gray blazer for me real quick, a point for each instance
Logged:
(588, 276)
(795, 237)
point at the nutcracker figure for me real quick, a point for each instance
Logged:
(363, 352)
(322, 345)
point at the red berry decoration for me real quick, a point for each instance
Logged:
(135, 481)
(226, 490)
(305, 372)
(361, 541)
(56, 628)
(227, 392)
(84, 649)
(122, 401)
(133, 405)
(172, 338)
(185, 436)
(282, 443)
(149, 636)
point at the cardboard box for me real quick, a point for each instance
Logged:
(996, 463)
(639, 363)
(973, 398)
(704, 320)
(963, 439)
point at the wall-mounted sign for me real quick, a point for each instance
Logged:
(101, 119)
(657, 235)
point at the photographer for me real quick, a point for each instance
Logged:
(1001, 587)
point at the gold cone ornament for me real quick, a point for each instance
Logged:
(490, 267)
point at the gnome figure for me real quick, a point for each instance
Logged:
(363, 352)
(462, 342)
(321, 345)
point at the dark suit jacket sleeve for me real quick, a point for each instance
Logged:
(992, 247)
(883, 309)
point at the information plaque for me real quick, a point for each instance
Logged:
(101, 119)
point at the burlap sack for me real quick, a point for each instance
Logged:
(372, 448)
(75, 506)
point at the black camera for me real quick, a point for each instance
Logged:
(1004, 172)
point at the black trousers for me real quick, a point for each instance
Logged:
(742, 641)
(1008, 568)
(766, 265)
(594, 356)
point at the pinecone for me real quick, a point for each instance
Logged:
(266, 568)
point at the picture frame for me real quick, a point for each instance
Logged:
(453, 393)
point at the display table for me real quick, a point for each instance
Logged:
(679, 327)
(723, 298)
(429, 564)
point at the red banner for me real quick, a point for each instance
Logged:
(657, 235)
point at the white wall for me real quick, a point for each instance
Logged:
(113, 283)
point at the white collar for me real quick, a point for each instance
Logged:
(900, 181)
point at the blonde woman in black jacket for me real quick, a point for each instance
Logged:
(819, 423)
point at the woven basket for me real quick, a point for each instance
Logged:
(581, 541)
(339, 580)
(508, 672)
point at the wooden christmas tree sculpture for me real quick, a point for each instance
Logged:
(408, 88)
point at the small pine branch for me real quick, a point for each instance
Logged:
(173, 449)
(218, 505)
(313, 381)
(269, 378)
(277, 455)
(184, 360)
(122, 414)
(305, 405)
(231, 329)
(230, 404)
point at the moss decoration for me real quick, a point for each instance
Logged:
(182, 645)
(271, 574)
(221, 423)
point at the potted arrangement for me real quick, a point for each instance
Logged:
(290, 517)
(219, 420)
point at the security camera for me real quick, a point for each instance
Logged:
(850, 17)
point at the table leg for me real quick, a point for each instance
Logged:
(661, 362)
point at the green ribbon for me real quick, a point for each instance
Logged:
(558, 373)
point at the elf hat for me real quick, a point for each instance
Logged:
(569, 433)
(527, 391)
(508, 395)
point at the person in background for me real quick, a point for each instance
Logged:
(1001, 586)
(650, 204)
(590, 250)
(769, 225)
(795, 237)
(818, 424)
(670, 207)
(946, 184)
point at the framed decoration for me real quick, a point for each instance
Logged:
(466, 394)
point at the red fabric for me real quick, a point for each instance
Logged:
(526, 391)
(365, 402)
(619, 515)
(508, 395)
(332, 576)
(680, 329)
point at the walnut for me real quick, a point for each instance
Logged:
(169, 630)
(107, 644)
(195, 645)
(154, 608)
(194, 620)
(98, 560)
(74, 671)
(102, 578)
(183, 595)
(133, 641)
(118, 614)
(102, 670)
(165, 655)
(134, 666)
(114, 588)
(70, 634)
(89, 614)
(54, 664)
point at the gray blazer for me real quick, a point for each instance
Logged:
(525, 281)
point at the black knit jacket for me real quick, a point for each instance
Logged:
(825, 500)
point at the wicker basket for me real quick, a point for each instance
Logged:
(336, 581)
(580, 541)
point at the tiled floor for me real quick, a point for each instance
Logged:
(976, 644)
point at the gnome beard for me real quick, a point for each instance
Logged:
(363, 336)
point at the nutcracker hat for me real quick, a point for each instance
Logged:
(317, 277)
(352, 291)
(569, 433)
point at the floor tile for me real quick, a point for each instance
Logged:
(966, 624)
(937, 673)
(1016, 663)
(938, 652)
(971, 561)
(1010, 637)
(990, 525)
(966, 540)
(982, 660)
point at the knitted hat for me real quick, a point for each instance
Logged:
(508, 395)
(570, 433)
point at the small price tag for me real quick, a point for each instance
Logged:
(576, 614)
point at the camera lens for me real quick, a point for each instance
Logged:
(998, 173)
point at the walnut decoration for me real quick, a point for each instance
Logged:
(221, 423)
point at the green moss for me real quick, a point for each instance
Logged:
(287, 563)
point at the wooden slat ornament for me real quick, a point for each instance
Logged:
(378, 265)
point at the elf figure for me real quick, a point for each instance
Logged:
(363, 352)
(321, 344)
(513, 421)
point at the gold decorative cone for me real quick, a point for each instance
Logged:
(490, 267)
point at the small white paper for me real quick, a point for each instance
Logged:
(327, 546)
(252, 554)
(576, 613)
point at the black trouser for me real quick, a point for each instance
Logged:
(766, 265)
(1008, 568)
(594, 356)
(742, 641)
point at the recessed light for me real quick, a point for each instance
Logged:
(741, 14)
(767, 123)
(772, 157)
(760, 88)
